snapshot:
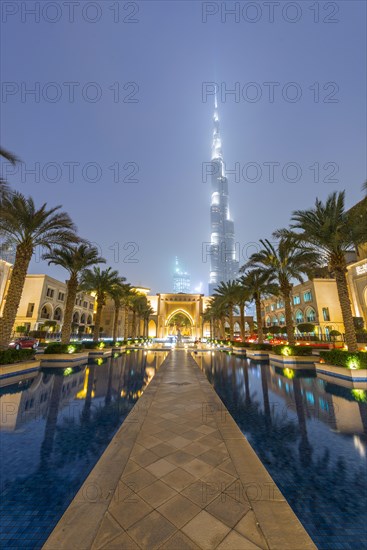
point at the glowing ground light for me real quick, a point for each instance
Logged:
(353, 363)
(68, 371)
(289, 373)
(359, 395)
(99, 361)
(71, 349)
(286, 351)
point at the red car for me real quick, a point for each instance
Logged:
(24, 343)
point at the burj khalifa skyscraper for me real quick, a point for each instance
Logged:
(224, 263)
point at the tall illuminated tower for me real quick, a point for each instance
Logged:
(223, 258)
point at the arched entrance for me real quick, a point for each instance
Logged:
(179, 320)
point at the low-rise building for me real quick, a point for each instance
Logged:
(313, 302)
(43, 305)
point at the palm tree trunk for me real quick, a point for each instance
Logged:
(97, 323)
(22, 258)
(133, 328)
(72, 289)
(260, 334)
(242, 321)
(231, 321)
(345, 306)
(116, 321)
(126, 322)
(288, 314)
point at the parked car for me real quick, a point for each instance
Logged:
(25, 342)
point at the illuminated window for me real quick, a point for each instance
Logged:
(310, 315)
(326, 314)
(299, 316)
(296, 300)
(307, 296)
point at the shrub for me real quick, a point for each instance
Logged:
(346, 359)
(57, 347)
(261, 347)
(10, 356)
(96, 345)
(296, 351)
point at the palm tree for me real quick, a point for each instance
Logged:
(332, 232)
(10, 157)
(258, 284)
(282, 264)
(74, 259)
(146, 313)
(102, 283)
(138, 302)
(242, 296)
(118, 293)
(26, 227)
(228, 294)
(219, 311)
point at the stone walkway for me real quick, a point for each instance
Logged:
(179, 474)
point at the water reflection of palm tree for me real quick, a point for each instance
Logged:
(264, 369)
(51, 421)
(88, 398)
(305, 448)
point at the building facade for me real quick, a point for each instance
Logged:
(313, 302)
(222, 249)
(42, 305)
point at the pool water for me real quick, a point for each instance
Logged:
(54, 428)
(311, 437)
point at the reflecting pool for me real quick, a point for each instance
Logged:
(54, 428)
(311, 437)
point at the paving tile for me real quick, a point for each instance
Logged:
(213, 457)
(179, 442)
(147, 441)
(234, 541)
(165, 435)
(131, 467)
(145, 457)
(122, 542)
(157, 493)
(160, 468)
(197, 467)
(227, 466)
(227, 509)
(163, 449)
(217, 476)
(199, 493)
(192, 435)
(247, 526)
(139, 479)
(179, 541)
(108, 530)
(152, 532)
(196, 448)
(179, 510)
(205, 530)
(128, 513)
(178, 479)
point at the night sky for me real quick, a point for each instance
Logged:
(129, 95)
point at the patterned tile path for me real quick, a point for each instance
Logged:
(179, 475)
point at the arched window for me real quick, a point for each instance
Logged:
(282, 319)
(58, 314)
(268, 321)
(275, 320)
(299, 316)
(310, 315)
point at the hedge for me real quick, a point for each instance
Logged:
(346, 359)
(10, 356)
(296, 351)
(57, 347)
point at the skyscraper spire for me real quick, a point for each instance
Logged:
(223, 261)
